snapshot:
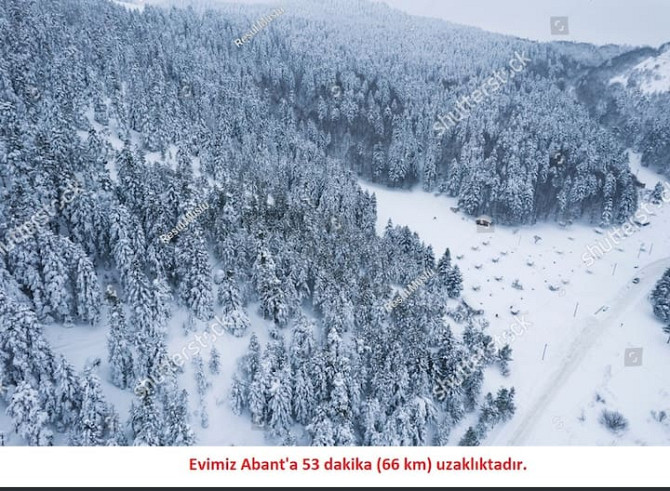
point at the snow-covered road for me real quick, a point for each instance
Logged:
(594, 327)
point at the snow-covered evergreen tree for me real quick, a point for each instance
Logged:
(118, 343)
(29, 421)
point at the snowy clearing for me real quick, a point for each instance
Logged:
(583, 327)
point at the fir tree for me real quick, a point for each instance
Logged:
(92, 424)
(454, 282)
(214, 361)
(28, 420)
(470, 439)
(118, 343)
(146, 422)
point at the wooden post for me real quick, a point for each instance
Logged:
(545, 351)
(576, 307)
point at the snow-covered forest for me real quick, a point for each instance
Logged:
(159, 180)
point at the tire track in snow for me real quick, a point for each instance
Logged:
(627, 297)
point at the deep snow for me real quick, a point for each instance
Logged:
(584, 354)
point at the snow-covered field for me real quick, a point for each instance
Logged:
(225, 428)
(569, 359)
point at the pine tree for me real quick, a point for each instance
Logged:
(214, 361)
(505, 403)
(488, 417)
(269, 288)
(118, 343)
(470, 439)
(657, 193)
(68, 392)
(233, 317)
(257, 400)
(202, 385)
(200, 377)
(117, 437)
(92, 426)
(250, 362)
(454, 282)
(239, 398)
(444, 267)
(146, 422)
(178, 431)
(88, 295)
(660, 297)
(444, 430)
(195, 275)
(279, 403)
(28, 420)
(56, 278)
(321, 429)
(504, 356)
(373, 423)
(303, 396)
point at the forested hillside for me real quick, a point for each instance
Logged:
(630, 95)
(151, 114)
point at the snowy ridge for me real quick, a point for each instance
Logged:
(651, 75)
(137, 5)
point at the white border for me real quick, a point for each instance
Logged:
(143, 466)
